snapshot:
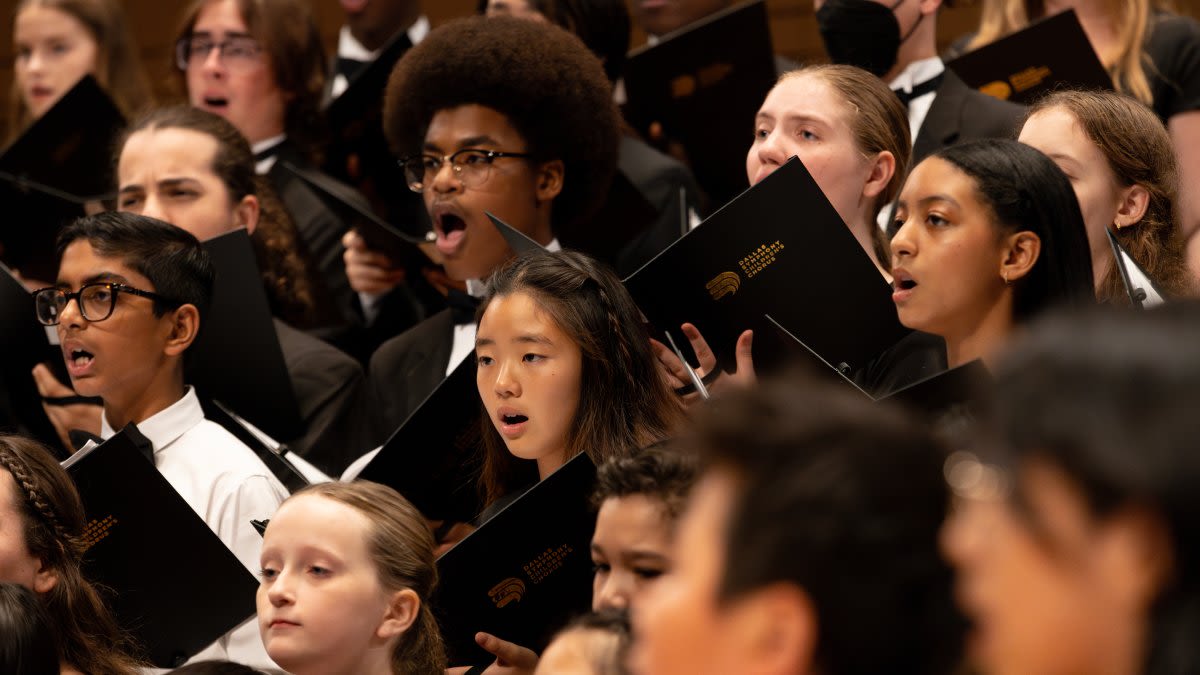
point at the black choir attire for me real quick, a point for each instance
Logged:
(404, 370)
(330, 391)
(659, 178)
(378, 317)
(1173, 45)
(959, 113)
(319, 226)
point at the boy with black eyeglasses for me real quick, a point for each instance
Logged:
(129, 301)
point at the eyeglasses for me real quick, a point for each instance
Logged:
(235, 52)
(471, 166)
(96, 301)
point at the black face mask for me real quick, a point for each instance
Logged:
(862, 33)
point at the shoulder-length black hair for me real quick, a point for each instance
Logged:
(1027, 191)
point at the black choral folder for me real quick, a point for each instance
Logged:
(61, 162)
(929, 397)
(23, 345)
(355, 120)
(704, 84)
(779, 249)
(177, 586)
(237, 359)
(1052, 53)
(525, 571)
(379, 234)
(434, 457)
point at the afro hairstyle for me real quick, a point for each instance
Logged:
(553, 91)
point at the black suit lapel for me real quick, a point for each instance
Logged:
(942, 124)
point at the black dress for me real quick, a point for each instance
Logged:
(1173, 47)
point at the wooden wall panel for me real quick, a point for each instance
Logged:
(793, 31)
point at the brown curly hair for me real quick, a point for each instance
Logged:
(542, 78)
(1139, 151)
(53, 521)
(286, 274)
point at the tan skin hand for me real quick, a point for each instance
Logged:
(511, 659)
(83, 416)
(369, 271)
(457, 533)
(677, 376)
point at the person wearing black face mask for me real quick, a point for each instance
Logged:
(896, 40)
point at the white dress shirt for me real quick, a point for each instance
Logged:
(916, 73)
(227, 485)
(350, 48)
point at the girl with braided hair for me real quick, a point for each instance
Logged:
(564, 369)
(41, 527)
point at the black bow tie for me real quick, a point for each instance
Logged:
(348, 68)
(462, 306)
(920, 90)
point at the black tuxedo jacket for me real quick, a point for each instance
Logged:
(960, 113)
(405, 370)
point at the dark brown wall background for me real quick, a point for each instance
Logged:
(793, 30)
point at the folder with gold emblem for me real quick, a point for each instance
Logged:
(703, 85)
(175, 585)
(525, 571)
(778, 249)
(1053, 53)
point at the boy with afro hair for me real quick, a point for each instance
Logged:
(504, 116)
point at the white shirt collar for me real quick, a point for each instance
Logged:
(918, 72)
(350, 48)
(264, 165)
(167, 425)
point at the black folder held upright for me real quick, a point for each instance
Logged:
(704, 84)
(779, 249)
(62, 161)
(237, 359)
(434, 458)
(23, 345)
(177, 587)
(525, 571)
(1053, 53)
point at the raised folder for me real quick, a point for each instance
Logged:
(434, 458)
(176, 586)
(704, 84)
(1052, 53)
(778, 249)
(23, 345)
(525, 571)
(237, 359)
(47, 175)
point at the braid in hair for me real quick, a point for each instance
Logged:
(23, 477)
(53, 520)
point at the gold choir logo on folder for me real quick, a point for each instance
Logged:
(683, 86)
(96, 531)
(725, 283)
(1018, 82)
(508, 591)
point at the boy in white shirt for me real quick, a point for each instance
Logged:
(128, 303)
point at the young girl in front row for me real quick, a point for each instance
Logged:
(564, 368)
(347, 572)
